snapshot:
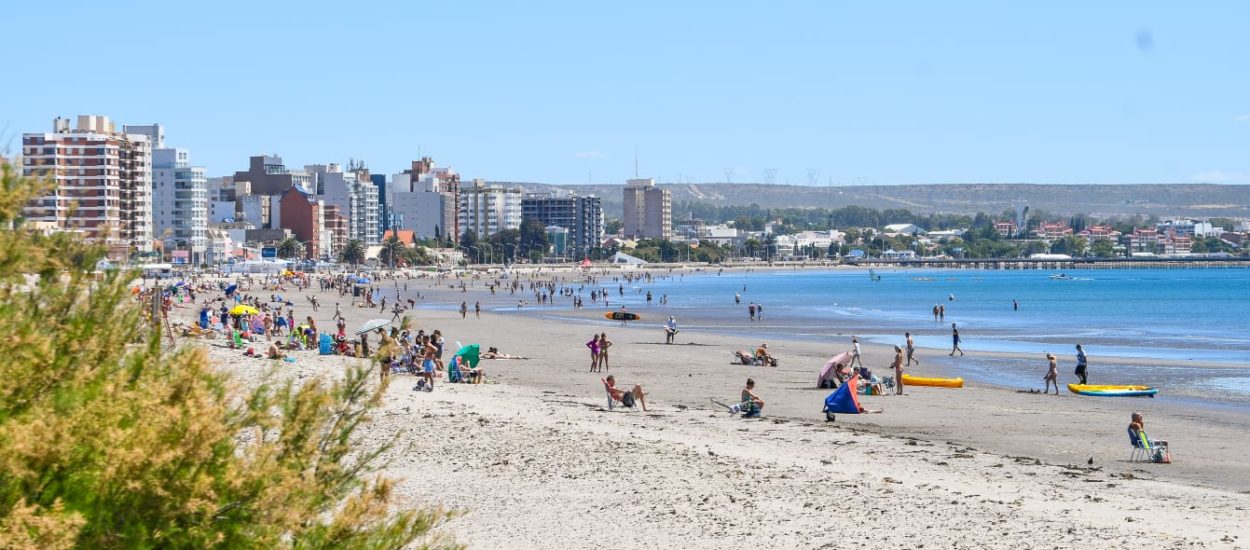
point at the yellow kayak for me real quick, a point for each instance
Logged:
(1112, 391)
(909, 380)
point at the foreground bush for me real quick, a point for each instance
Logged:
(109, 441)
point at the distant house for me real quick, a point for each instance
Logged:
(1100, 233)
(855, 254)
(946, 234)
(1052, 230)
(1007, 229)
(892, 254)
(904, 229)
(406, 236)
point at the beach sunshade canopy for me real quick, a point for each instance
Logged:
(372, 325)
(242, 309)
(844, 399)
(471, 354)
(362, 281)
(230, 289)
(831, 366)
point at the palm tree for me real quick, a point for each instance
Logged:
(290, 247)
(392, 250)
(353, 252)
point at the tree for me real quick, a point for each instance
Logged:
(392, 250)
(290, 247)
(468, 240)
(353, 252)
(612, 227)
(110, 439)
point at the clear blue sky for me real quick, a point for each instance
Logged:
(912, 92)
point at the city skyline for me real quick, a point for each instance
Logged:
(799, 93)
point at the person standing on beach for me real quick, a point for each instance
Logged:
(464, 309)
(604, 344)
(1082, 368)
(941, 313)
(338, 312)
(955, 341)
(911, 350)
(593, 344)
(670, 329)
(751, 310)
(1052, 374)
(935, 312)
(1015, 306)
(855, 352)
(759, 312)
(737, 298)
(898, 370)
(477, 309)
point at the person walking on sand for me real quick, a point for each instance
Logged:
(911, 350)
(464, 309)
(338, 312)
(855, 352)
(759, 312)
(751, 310)
(1052, 374)
(898, 370)
(477, 309)
(593, 344)
(604, 344)
(955, 342)
(1082, 368)
(670, 329)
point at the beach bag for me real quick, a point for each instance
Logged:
(627, 399)
(1162, 456)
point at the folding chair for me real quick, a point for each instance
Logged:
(612, 401)
(1141, 447)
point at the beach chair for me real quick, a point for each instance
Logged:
(453, 371)
(613, 402)
(1146, 450)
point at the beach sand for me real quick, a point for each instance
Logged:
(534, 459)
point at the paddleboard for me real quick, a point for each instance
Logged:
(1112, 391)
(622, 316)
(909, 380)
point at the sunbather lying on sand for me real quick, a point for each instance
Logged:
(493, 353)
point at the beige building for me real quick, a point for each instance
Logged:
(648, 210)
(103, 182)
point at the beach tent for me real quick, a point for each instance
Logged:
(844, 399)
(830, 371)
(470, 354)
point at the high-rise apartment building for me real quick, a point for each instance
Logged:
(486, 209)
(269, 176)
(103, 182)
(355, 197)
(648, 210)
(179, 198)
(581, 216)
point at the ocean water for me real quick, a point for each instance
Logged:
(1186, 318)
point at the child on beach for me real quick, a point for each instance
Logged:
(855, 352)
(1052, 374)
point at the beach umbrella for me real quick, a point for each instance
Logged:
(230, 289)
(242, 309)
(827, 372)
(470, 354)
(362, 281)
(372, 325)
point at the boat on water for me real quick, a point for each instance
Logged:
(873, 275)
(1060, 277)
(1112, 391)
(909, 380)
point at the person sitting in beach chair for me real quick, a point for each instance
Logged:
(625, 398)
(1145, 448)
(763, 358)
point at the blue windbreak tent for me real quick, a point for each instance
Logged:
(844, 399)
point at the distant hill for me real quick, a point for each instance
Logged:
(1103, 201)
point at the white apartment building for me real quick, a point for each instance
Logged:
(179, 197)
(103, 182)
(354, 196)
(425, 200)
(487, 210)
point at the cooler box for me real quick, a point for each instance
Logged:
(326, 344)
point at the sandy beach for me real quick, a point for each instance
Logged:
(534, 459)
